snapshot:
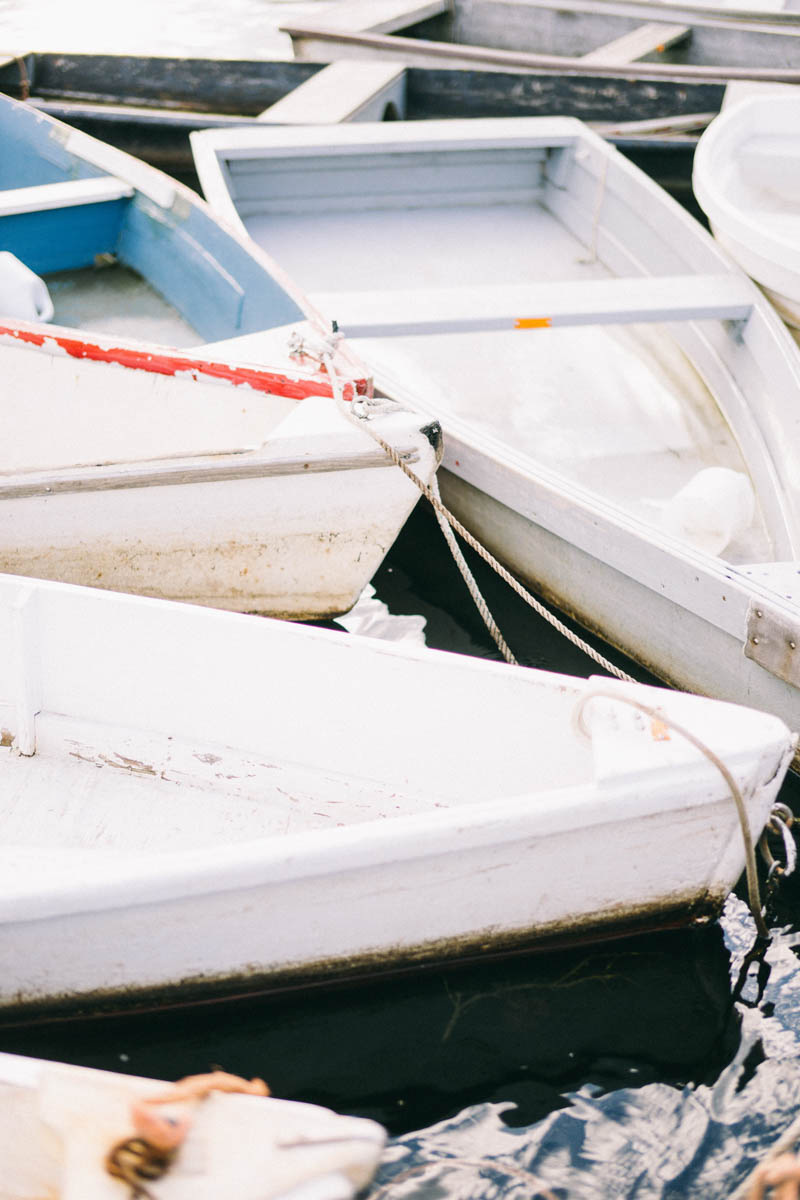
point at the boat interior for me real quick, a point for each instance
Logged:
(391, 234)
(140, 726)
(122, 248)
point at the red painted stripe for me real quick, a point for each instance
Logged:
(169, 364)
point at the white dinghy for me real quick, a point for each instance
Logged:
(132, 465)
(619, 401)
(747, 180)
(73, 1133)
(198, 800)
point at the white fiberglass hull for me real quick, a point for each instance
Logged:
(202, 800)
(231, 486)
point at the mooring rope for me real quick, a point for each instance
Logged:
(443, 514)
(470, 580)
(449, 523)
(656, 714)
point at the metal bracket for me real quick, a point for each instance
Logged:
(773, 641)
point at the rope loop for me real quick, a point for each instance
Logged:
(658, 715)
(779, 825)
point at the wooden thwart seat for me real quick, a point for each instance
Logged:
(580, 302)
(70, 193)
(647, 39)
(346, 90)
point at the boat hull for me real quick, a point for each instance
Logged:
(300, 546)
(686, 626)
(503, 887)
(199, 802)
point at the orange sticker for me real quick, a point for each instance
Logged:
(658, 730)
(532, 323)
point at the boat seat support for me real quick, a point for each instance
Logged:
(580, 302)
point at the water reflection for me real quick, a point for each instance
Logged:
(417, 1048)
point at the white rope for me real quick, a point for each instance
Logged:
(471, 582)
(443, 514)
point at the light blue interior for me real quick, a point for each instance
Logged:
(199, 268)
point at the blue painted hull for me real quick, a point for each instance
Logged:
(202, 269)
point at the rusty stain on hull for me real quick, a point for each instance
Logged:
(609, 925)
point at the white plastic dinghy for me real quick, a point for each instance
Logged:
(196, 800)
(198, 473)
(747, 180)
(60, 1124)
(619, 401)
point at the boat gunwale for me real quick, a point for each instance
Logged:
(412, 49)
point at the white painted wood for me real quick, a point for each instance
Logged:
(573, 454)
(343, 91)
(58, 1123)
(178, 796)
(63, 195)
(588, 302)
(157, 186)
(647, 39)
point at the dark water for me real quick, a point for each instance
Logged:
(647, 1067)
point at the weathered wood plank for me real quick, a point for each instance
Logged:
(63, 195)
(343, 91)
(647, 39)
(585, 302)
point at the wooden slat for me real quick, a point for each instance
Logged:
(583, 302)
(647, 39)
(345, 90)
(63, 195)
(191, 470)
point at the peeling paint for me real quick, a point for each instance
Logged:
(270, 382)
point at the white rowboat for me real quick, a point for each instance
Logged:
(192, 473)
(747, 180)
(198, 800)
(619, 401)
